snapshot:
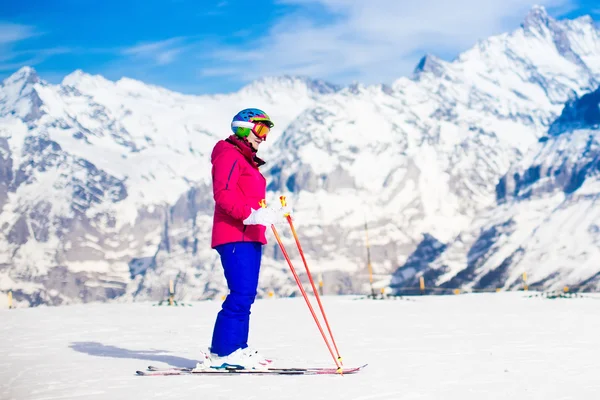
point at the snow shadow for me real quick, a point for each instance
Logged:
(101, 350)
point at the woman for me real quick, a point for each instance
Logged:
(238, 234)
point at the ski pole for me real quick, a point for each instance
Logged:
(297, 279)
(312, 282)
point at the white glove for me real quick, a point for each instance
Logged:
(265, 216)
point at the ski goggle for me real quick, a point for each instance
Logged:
(261, 130)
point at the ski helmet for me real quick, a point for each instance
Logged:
(243, 121)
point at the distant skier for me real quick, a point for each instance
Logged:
(238, 235)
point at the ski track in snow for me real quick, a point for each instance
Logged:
(476, 346)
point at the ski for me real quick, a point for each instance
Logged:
(189, 369)
(155, 371)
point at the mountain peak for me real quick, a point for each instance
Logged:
(315, 86)
(429, 63)
(80, 79)
(585, 19)
(537, 18)
(539, 22)
(20, 95)
(24, 76)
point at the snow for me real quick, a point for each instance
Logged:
(468, 347)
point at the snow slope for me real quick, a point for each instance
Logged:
(471, 347)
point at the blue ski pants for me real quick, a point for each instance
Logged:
(241, 264)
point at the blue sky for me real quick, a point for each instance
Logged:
(204, 46)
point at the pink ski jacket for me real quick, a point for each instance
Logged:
(238, 186)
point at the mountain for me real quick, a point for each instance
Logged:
(104, 180)
(107, 187)
(545, 222)
(437, 144)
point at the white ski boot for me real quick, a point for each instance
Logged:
(241, 359)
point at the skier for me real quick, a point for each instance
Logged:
(238, 234)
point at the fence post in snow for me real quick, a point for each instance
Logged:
(422, 285)
(525, 287)
(171, 292)
(321, 284)
(10, 305)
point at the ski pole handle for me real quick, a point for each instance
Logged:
(284, 204)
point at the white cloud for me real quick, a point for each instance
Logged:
(162, 52)
(11, 58)
(11, 33)
(369, 41)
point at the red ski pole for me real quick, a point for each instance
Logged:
(312, 282)
(297, 279)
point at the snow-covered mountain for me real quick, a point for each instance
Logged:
(104, 180)
(106, 186)
(546, 222)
